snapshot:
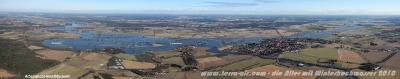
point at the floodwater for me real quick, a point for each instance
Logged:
(135, 44)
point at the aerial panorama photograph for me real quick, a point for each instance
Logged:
(199, 39)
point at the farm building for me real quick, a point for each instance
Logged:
(115, 63)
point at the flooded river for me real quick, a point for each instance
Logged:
(135, 44)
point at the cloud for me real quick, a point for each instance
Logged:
(230, 4)
(266, 1)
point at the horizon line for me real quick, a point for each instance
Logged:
(191, 13)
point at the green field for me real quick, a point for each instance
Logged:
(77, 66)
(10, 35)
(64, 69)
(165, 53)
(33, 34)
(347, 65)
(301, 57)
(96, 64)
(247, 64)
(315, 60)
(174, 60)
(76, 61)
(325, 53)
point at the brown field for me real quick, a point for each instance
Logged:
(92, 56)
(4, 73)
(225, 60)
(55, 54)
(272, 68)
(67, 35)
(349, 56)
(376, 56)
(137, 65)
(126, 56)
(396, 44)
(208, 59)
(194, 75)
(394, 61)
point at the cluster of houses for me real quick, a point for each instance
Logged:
(276, 45)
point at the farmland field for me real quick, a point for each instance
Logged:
(96, 64)
(347, 65)
(55, 54)
(336, 45)
(76, 61)
(202, 51)
(174, 60)
(208, 59)
(249, 63)
(92, 56)
(87, 61)
(376, 56)
(326, 53)
(137, 65)
(229, 59)
(126, 56)
(11, 35)
(394, 61)
(300, 57)
(64, 69)
(234, 58)
(168, 53)
(41, 35)
(349, 56)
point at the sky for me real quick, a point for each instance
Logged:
(205, 6)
